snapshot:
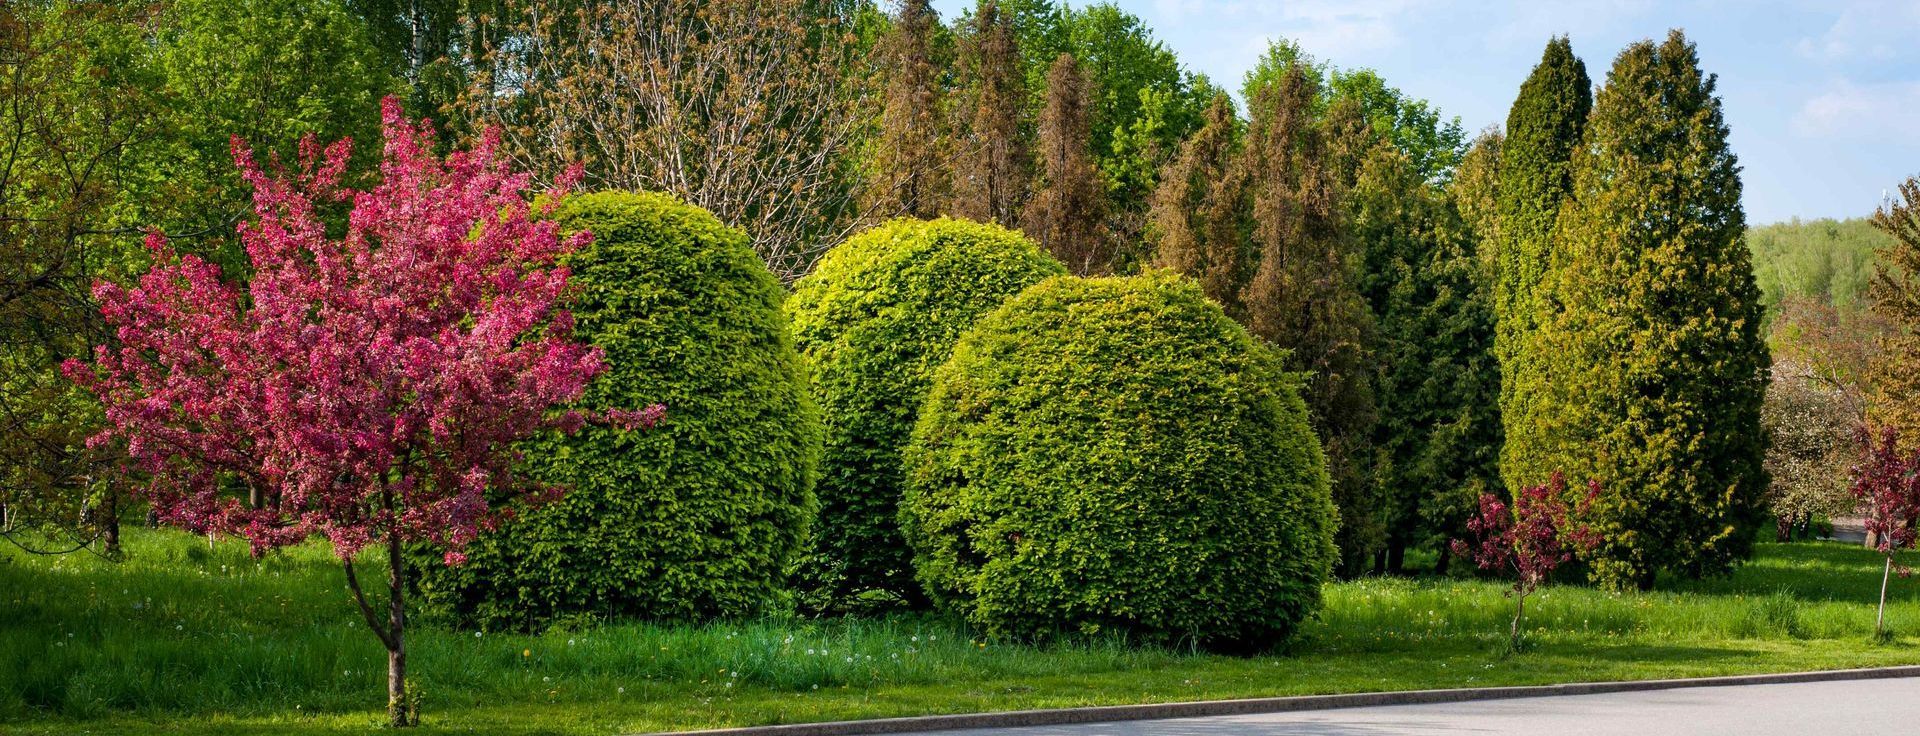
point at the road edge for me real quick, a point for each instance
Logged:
(1247, 706)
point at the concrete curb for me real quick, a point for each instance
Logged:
(1096, 714)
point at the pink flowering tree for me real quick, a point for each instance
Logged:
(366, 388)
(1886, 484)
(1532, 538)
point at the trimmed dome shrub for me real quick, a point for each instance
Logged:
(1117, 454)
(701, 516)
(875, 318)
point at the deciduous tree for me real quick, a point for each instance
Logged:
(744, 109)
(1538, 534)
(365, 388)
(71, 117)
(1886, 484)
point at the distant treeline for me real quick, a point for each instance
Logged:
(1831, 260)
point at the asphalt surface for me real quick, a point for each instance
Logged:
(1876, 707)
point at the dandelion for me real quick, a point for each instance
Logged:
(569, 642)
(546, 679)
(476, 634)
(621, 690)
(809, 652)
(526, 652)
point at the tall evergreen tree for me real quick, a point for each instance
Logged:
(1543, 128)
(991, 169)
(1475, 191)
(1651, 366)
(1198, 213)
(1438, 437)
(1302, 295)
(1065, 213)
(1896, 298)
(908, 176)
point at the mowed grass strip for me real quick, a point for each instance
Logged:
(183, 638)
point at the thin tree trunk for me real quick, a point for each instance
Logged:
(1880, 620)
(1519, 610)
(398, 710)
(399, 714)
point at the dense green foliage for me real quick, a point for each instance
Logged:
(1117, 455)
(1543, 129)
(700, 516)
(876, 317)
(1828, 260)
(1303, 295)
(1437, 391)
(1413, 125)
(1653, 367)
(119, 118)
(267, 71)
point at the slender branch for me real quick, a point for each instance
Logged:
(366, 610)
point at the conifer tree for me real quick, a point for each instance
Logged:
(1438, 388)
(908, 176)
(1475, 192)
(1198, 212)
(1543, 128)
(991, 168)
(1896, 298)
(1066, 211)
(1302, 295)
(1652, 370)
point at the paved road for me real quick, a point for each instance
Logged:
(1876, 707)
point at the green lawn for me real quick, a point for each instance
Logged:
(183, 639)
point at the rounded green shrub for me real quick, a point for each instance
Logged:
(875, 318)
(701, 516)
(1117, 455)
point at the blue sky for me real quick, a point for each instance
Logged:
(1823, 97)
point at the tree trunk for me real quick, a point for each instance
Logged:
(1397, 557)
(417, 49)
(1782, 529)
(1519, 610)
(1880, 619)
(399, 712)
(1446, 560)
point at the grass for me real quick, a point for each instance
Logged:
(186, 639)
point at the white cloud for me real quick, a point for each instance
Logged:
(1877, 31)
(1853, 110)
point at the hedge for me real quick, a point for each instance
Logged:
(1117, 455)
(875, 318)
(702, 516)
